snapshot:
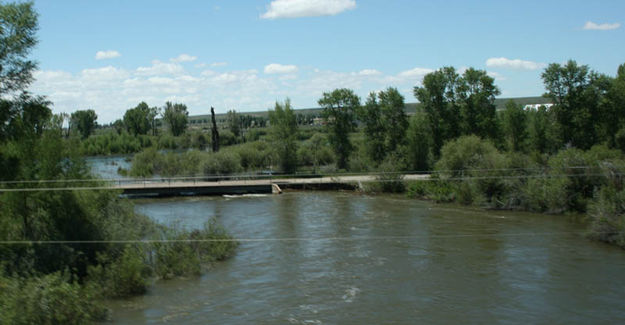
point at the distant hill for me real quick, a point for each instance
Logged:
(410, 108)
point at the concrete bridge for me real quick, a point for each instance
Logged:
(234, 185)
(207, 185)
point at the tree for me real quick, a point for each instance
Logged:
(615, 107)
(371, 116)
(139, 120)
(84, 122)
(234, 122)
(176, 117)
(419, 143)
(515, 125)
(18, 25)
(477, 110)
(439, 97)
(541, 130)
(214, 132)
(118, 126)
(577, 93)
(339, 107)
(283, 132)
(393, 117)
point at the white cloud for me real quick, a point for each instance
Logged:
(110, 90)
(415, 73)
(110, 54)
(275, 68)
(184, 58)
(496, 75)
(513, 64)
(159, 67)
(369, 72)
(106, 73)
(306, 8)
(606, 26)
(219, 64)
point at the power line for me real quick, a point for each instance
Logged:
(283, 239)
(155, 184)
(280, 176)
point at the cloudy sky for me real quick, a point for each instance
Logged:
(245, 55)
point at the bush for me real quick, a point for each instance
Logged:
(167, 141)
(254, 155)
(255, 134)
(126, 276)
(478, 163)
(49, 299)
(390, 179)
(226, 138)
(188, 251)
(435, 189)
(145, 163)
(607, 217)
(221, 163)
(581, 173)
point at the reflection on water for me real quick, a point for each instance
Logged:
(459, 265)
(106, 167)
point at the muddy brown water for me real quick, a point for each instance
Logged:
(358, 259)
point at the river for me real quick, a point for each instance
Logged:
(358, 259)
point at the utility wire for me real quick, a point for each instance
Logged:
(283, 239)
(155, 183)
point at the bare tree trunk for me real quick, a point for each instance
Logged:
(215, 133)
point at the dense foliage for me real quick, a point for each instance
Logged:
(339, 110)
(284, 134)
(175, 117)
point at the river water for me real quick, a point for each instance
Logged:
(106, 167)
(357, 259)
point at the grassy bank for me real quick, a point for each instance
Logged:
(473, 172)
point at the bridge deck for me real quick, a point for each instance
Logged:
(165, 187)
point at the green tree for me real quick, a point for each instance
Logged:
(615, 108)
(577, 93)
(393, 117)
(283, 132)
(83, 121)
(515, 126)
(139, 120)
(477, 110)
(440, 99)
(371, 116)
(176, 117)
(419, 143)
(542, 129)
(234, 122)
(18, 25)
(339, 108)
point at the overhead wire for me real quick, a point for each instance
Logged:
(282, 239)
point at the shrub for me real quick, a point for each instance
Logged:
(50, 299)
(188, 251)
(221, 163)
(607, 216)
(145, 163)
(226, 138)
(476, 161)
(125, 276)
(390, 179)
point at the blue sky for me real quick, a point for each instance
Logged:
(245, 55)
